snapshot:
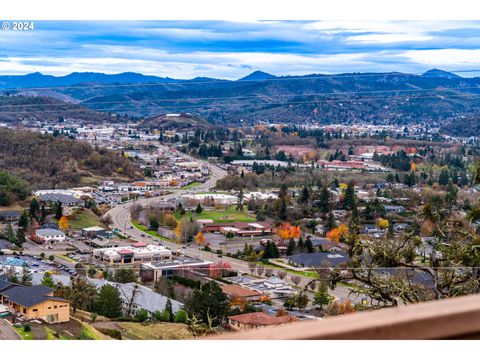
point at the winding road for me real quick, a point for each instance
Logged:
(120, 216)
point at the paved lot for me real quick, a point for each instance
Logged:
(6, 331)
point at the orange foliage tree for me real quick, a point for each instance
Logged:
(287, 231)
(199, 239)
(63, 223)
(338, 233)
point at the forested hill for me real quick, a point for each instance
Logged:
(16, 108)
(46, 162)
(437, 98)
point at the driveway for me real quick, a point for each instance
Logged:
(6, 331)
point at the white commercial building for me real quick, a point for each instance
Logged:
(135, 253)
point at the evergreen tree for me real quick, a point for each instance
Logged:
(125, 275)
(324, 200)
(349, 198)
(309, 246)
(168, 311)
(199, 209)
(209, 304)
(9, 234)
(240, 200)
(330, 223)
(322, 298)
(24, 222)
(335, 184)
(47, 280)
(20, 237)
(109, 303)
(58, 210)
(26, 279)
(443, 177)
(301, 244)
(43, 213)
(34, 208)
(291, 247)
(304, 196)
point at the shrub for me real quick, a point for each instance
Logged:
(27, 328)
(85, 335)
(113, 333)
(141, 315)
(181, 316)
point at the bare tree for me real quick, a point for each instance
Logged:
(135, 211)
(282, 274)
(252, 266)
(260, 270)
(268, 272)
(296, 279)
(107, 220)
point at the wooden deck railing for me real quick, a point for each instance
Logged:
(455, 318)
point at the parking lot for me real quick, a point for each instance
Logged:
(35, 263)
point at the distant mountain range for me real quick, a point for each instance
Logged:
(39, 80)
(436, 97)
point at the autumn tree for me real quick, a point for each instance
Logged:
(383, 223)
(199, 239)
(287, 231)
(63, 223)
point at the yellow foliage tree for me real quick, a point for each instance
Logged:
(199, 239)
(383, 223)
(63, 223)
(413, 167)
(342, 231)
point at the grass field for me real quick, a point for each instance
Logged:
(149, 232)
(310, 274)
(25, 335)
(65, 257)
(229, 215)
(159, 331)
(51, 335)
(191, 185)
(83, 219)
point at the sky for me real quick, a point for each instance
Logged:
(231, 50)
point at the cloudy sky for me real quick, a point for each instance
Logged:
(230, 50)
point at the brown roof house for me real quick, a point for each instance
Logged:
(238, 292)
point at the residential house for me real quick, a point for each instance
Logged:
(10, 215)
(49, 236)
(34, 302)
(318, 260)
(234, 291)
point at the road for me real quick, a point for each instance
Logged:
(120, 216)
(6, 331)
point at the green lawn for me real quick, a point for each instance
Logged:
(65, 257)
(191, 185)
(83, 219)
(52, 336)
(150, 232)
(24, 334)
(310, 274)
(229, 215)
(89, 333)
